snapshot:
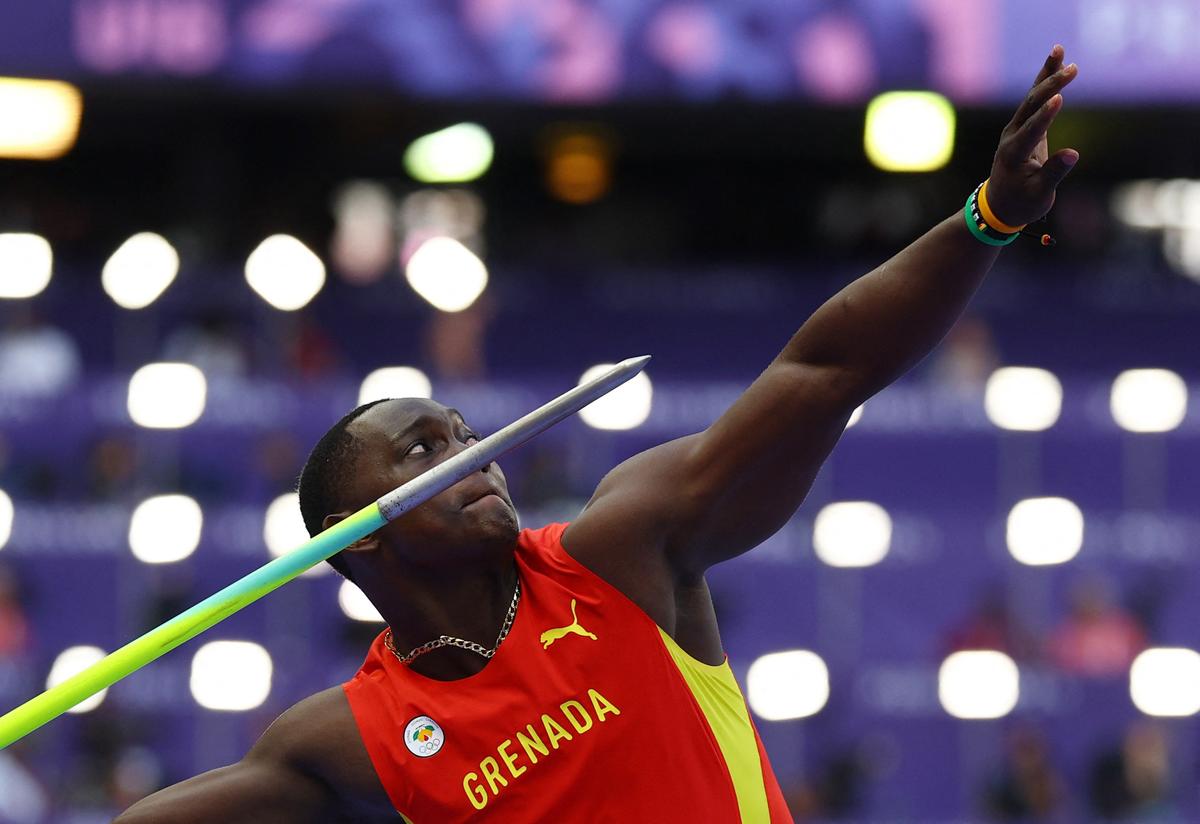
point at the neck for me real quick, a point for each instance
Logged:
(421, 603)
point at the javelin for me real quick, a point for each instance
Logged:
(216, 608)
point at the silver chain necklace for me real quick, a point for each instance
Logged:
(451, 641)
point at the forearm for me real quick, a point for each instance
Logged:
(878, 327)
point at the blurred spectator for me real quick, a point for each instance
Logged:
(111, 468)
(455, 341)
(14, 626)
(311, 351)
(112, 769)
(1134, 782)
(212, 342)
(992, 626)
(35, 357)
(837, 790)
(1098, 639)
(1027, 787)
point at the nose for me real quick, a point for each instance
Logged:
(484, 469)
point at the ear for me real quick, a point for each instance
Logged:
(366, 544)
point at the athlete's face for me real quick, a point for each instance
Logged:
(399, 440)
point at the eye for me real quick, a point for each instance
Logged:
(418, 448)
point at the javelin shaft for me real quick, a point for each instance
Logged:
(219, 606)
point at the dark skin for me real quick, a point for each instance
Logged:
(655, 524)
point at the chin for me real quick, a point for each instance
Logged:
(501, 530)
(492, 521)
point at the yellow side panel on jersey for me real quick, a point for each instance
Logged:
(716, 691)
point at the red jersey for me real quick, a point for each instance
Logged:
(588, 712)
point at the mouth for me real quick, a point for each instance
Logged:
(482, 498)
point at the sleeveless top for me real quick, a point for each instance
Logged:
(588, 712)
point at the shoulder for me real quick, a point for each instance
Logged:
(319, 738)
(304, 723)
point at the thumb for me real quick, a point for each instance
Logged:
(1058, 167)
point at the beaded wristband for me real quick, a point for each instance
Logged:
(980, 228)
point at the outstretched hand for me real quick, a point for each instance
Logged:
(1024, 174)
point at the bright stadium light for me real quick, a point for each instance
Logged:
(284, 272)
(6, 518)
(394, 382)
(140, 270)
(167, 395)
(1165, 681)
(26, 262)
(1182, 248)
(41, 118)
(72, 661)
(356, 606)
(786, 685)
(909, 131)
(283, 525)
(979, 684)
(456, 154)
(625, 407)
(165, 528)
(1149, 400)
(1170, 198)
(446, 273)
(283, 530)
(1023, 398)
(852, 534)
(231, 675)
(1044, 531)
(1134, 204)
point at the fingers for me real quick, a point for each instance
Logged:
(1042, 92)
(1023, 143)
(1052, 64)
(1058, 167)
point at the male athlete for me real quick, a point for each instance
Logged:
(575, 673)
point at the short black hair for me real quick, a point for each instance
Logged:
(323, 477)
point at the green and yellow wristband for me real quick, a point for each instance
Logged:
(984, 224)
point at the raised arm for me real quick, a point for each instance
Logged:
(716, 494)
(308, 766)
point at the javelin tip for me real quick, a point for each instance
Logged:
(638, 363)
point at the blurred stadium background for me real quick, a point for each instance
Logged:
(233, 219)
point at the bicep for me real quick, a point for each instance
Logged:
(750, 471)
(713, 495)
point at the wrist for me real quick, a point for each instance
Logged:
(986, 209)
(983, 230)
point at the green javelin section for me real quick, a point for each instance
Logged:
(187, 625)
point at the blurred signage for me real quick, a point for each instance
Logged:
(603, 50)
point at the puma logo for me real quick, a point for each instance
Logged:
(552, 635)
